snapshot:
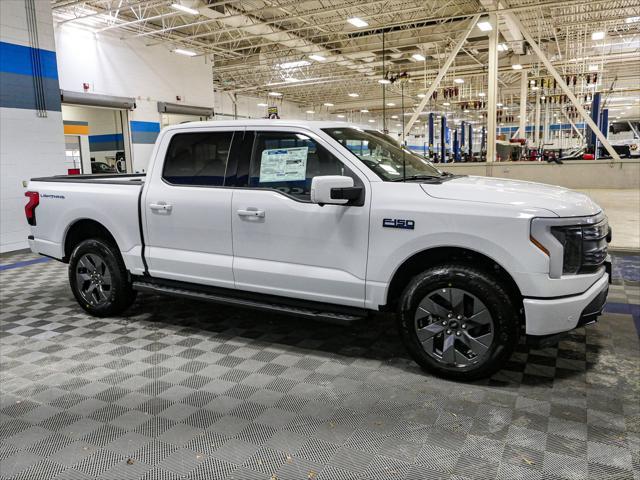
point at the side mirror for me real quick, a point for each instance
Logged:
(334, 190)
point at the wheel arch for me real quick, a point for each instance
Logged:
(83, 229)
(430, 257)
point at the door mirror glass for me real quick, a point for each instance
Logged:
(334, 189)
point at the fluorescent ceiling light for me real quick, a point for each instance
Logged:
(357, 22)
(275, 94)
(310, 111)
(503, 47)
(188, 53)
(297, 63)
(466, 111)
(317, 58)
(421, 95)
(354, 95)
(516, 66)
(419, 57)
(291, 80)
(394, 116)
(371, 120)
(498, 104)
(364, 110)
(340, 116)
(485, 26)
(593, 68)
(446, 104)
(328, 104)
(390, 104)
(384, 81)
(398, 124)
(481, 94)
(458, 80)
(597, 35)
(632, 20)
(263, 104)
(182, 8)
(534, 88)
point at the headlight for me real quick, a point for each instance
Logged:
(571, 240)
(574, 245)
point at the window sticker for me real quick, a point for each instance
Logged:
(284, 164)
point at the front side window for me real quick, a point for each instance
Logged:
(197, 158)
(386, 158)
(288, 162)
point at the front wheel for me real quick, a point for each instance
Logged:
(99, 279)
(458, 322)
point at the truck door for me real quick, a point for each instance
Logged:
(285, 245)
(187, 209)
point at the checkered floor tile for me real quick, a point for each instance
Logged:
(183, 390)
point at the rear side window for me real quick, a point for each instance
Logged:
(197, 158)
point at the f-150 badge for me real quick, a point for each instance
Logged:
(398, 223)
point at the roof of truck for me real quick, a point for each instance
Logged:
(266, 122)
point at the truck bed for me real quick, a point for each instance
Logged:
(110, 200)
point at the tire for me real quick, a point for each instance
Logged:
(98, 278)
(465, 345)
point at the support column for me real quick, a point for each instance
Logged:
(522, 129)
(536, 127)
(463, 143)
(546, 133)
(492, 81)
(431, 136)
(443, 138)
(470, 151)
(456, 146)
(592, 140)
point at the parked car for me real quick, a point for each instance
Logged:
(327, 221)
(101, 167)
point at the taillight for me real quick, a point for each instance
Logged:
(30, 207)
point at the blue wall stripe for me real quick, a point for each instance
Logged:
(18, 91)
(144, 132)
(17, 59)
(106, 142)
(138, 126)
(144, 137)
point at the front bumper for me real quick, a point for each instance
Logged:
(547, 317)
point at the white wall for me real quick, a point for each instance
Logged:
(129, 68)
(30, 145)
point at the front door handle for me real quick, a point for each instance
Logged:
(251, 212)
(160, 207)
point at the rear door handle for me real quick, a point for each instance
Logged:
(251, 212)
(160, 207)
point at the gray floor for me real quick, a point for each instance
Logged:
(178, 390)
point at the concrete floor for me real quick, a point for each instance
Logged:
(623, 209)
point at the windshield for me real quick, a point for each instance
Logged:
(386, 158)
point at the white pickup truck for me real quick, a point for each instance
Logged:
(329, 221)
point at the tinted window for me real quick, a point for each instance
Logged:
(197, 158)
(289, 161)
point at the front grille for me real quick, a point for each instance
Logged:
(594, 246)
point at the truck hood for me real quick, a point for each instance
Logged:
(559, 200)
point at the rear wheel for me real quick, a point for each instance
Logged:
(458, 322)
(99, 279)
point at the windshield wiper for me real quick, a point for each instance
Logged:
(418, 177)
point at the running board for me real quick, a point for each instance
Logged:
(306, 312)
